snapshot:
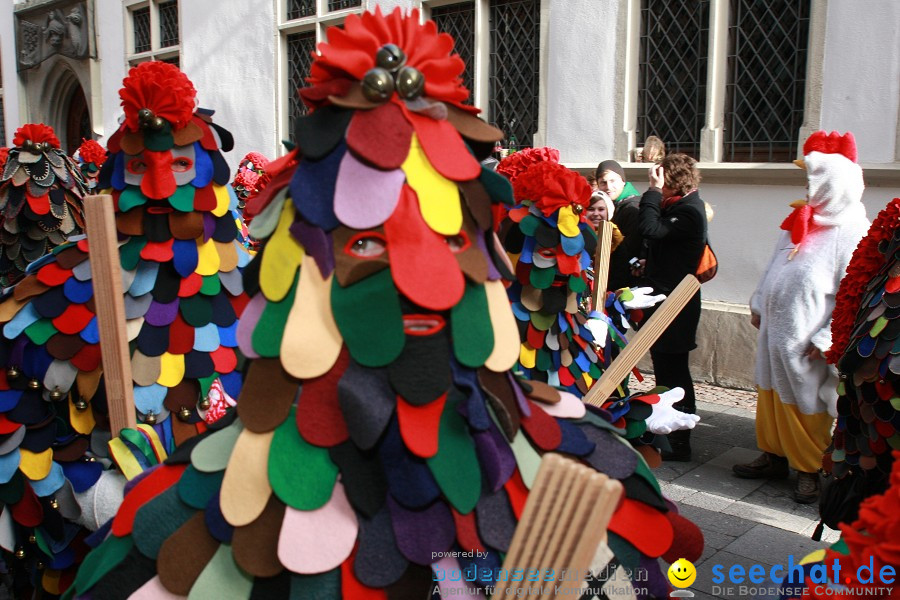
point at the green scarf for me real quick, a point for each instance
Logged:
(627, 192)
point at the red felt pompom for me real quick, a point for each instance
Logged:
(91, 152)
(36, 132)
(551, 186)
(4, 154)
(350, 52)
(518, 162)
(163, 89)
(831, 143)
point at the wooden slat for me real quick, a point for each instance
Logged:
(563, 523)
(106, 274)
(601, 264)
(646, 337)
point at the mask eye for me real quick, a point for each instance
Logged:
(366, 245)
(182, 164)
(136, 166)
(458, 243)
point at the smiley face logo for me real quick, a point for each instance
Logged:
(682, 573)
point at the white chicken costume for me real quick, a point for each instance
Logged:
(795, 299)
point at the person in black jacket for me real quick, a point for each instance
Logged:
(610, 178)
(673, 223)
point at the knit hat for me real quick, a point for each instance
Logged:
(610, 205)
(611, 165)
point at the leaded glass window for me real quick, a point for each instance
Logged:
(765, 90)
(672, 73)
(168, 23)
(297, 9)
(300, 47)
(2, 122)
(459, 21)
(514, 79)
(140, 19)
(341, 4)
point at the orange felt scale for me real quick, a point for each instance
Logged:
(73, 320)
(148, 488)
(644, 527)
(419, 425)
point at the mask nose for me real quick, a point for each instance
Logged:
(158, 182)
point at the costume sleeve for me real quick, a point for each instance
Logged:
(653, 226)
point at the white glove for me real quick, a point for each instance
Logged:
(632, 298)
(599, 329)
(666, 419)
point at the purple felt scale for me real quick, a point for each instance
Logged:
(420, 533)
(250, 317)
(317, 244)
(496, 459)
(160, 315)
(365, 197)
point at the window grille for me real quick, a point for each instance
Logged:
(514, 79)
(297, 9)
(341, 4)
(300, 47)
(459, 21)
(672, 73)
(2, 122)
(168, 23)
(766, 87)
(172, 61)
(140, 20)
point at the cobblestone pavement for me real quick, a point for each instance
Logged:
(744, 521)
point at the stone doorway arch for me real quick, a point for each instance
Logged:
(67, 108)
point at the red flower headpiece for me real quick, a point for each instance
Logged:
(91, 152)
(35, 133)
(831, 143)
(259, 161)
(160, 88)
(517, 163)
(4, 154)
(350, 53)
(551, 186)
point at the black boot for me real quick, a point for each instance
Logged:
(681, 446)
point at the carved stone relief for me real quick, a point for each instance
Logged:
(52, 28)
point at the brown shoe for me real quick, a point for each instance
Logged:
(765, 466)
(806, 491)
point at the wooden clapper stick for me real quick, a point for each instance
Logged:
(562, 525)
(106, 276)
(601, 264)
(646, 337)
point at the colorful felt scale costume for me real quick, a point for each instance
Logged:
(183, 295)
(251, 178)
(379, 427)
(41, 191)
(91, 157)
(866, 330)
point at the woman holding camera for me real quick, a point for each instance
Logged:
(673, 224)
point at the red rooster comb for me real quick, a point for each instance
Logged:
(29, 136)
(389, 54)
(154, 93)
(831, 143)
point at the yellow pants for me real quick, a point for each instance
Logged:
(783, 430)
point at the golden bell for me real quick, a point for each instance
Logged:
(56, 395)
(204, 404)
(13, 373)
(34, 384)
(32, 539)
(150, 419)
(184, 414)
(81, 404)
(39, 565)
(20, 553)
(54, 503)
(577, 209)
